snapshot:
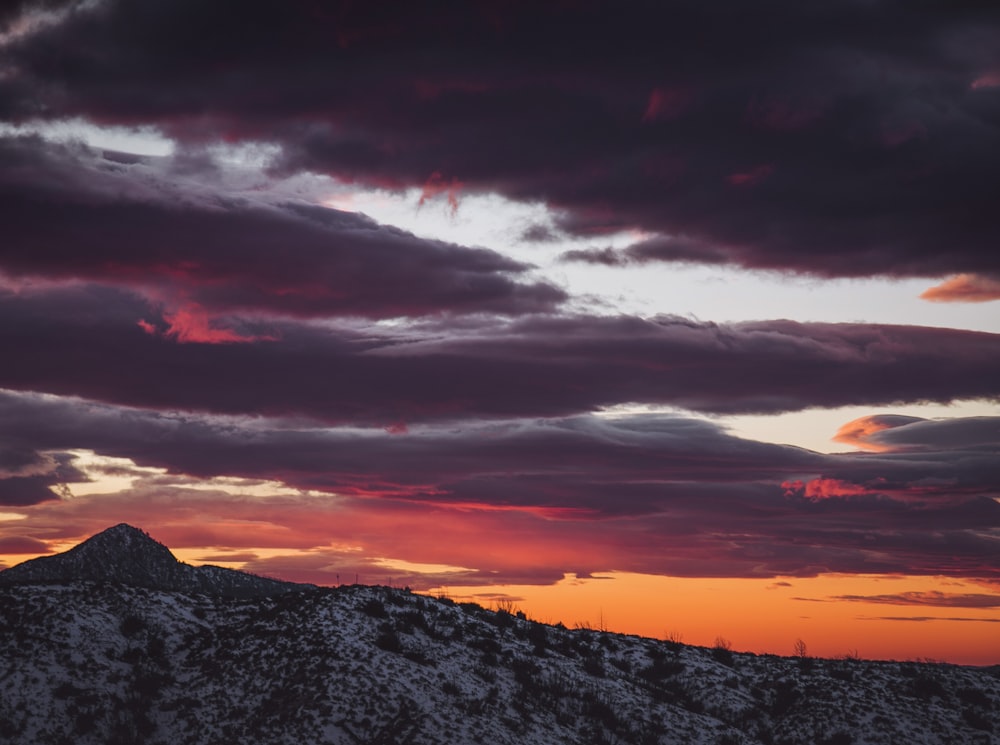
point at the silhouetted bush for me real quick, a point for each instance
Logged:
(599, 708)
(389, 641)
(622, 664)
(722, 652)
(661, 668)
(525, 672)
(786, 694)
(66, 690)
(925, 687)
(485, 644)
(85, 722)
(594, 665)
(977, 720)
(375, 608)
(409, 620)
(156, 649)
(539, 636)
(502, 619)
(974, 696)
(132, 625)
(841, 673)
(395, 598)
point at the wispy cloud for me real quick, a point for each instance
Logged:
(938, 599)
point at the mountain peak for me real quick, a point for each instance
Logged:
(125, 537)
(128, 555)
(121, 530)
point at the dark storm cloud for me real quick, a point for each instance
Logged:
(71, 214)
(87, 340)
(642, 493)
(45, 479)
(559, 463)
(844, 139)
(25, 490)
(166, 311)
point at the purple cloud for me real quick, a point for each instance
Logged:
(936, 599)
(194, 249)
(61, 340)
(837, 141)
(647, 494)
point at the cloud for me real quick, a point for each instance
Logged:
(191, 324)
(23, 545)
(605, 256)
(936, 599)
(478, 367)
(658, 248)
(862, 433)
(965, 288)
(890, 432)
(815, 140)
(520, 500)
(210, 252)
(235, 556)
(46, 479)
(430, 402)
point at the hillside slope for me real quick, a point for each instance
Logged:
(115, 641)
(95, 662)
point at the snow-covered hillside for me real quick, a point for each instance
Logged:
(104, 662)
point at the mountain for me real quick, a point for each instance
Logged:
(88, 662)
(127, 555)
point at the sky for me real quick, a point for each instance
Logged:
(671, 318)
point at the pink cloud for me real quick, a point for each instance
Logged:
(964, 288)
(989, 80)
(817, 489)
(191, 324)
(436, 185)
(861, 433)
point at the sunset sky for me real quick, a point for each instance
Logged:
(671, 318)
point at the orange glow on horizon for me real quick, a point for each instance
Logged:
(766, 616)
(876, 617)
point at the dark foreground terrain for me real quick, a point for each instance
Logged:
(105, 661)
